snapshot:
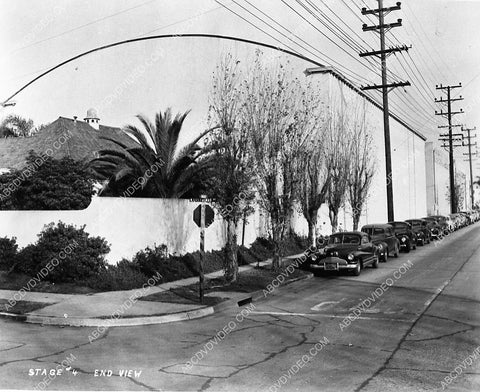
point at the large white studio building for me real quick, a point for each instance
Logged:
(408, 158)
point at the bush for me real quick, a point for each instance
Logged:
(8, 252)
(262, 248)
(47, 184)
(117, 277)
(70, 252)
(149, 261)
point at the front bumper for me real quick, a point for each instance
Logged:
(333, 264)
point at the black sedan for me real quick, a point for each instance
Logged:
(351, 251)
(405, 234)
(421, 229)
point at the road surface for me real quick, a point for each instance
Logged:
(410, 325)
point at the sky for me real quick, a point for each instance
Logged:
(146, 77)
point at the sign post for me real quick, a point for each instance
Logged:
(203, 216)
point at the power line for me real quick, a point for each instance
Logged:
(290, 32)
(82, 26)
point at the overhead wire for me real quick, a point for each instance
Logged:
(82, 26)
(358, 76)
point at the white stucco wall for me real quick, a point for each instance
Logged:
(408, 163)
(130, 225)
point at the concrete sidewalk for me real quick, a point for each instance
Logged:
(102, 309)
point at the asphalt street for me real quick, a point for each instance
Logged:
(413, 324)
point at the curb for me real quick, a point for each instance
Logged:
(144, 320)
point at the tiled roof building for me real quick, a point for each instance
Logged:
(79, 140)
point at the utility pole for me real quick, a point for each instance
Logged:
(449, 114)
(470, 145)
(382, 28)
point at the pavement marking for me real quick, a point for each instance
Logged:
(320, 305)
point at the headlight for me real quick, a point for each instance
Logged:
(313, 257)
(350, 257)
(335, 254)
(404, 239)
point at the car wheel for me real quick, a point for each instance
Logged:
(357, 270)
(376, 261)
(407, 247)
(414, 245)
(421, 242)
(396, 251)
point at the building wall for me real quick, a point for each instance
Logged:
(408, 162)
(130, 225)
(437, 180)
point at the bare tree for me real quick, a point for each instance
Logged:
(269, 111)
(313, 187)
(338, 156)
(362, 166)
(231, 185)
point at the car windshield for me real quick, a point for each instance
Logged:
(399, 226)
(373, 230)
(344, 239)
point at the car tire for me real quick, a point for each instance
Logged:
(396, 251)
(375, 263)
(358, 270)
(407, 248)
(421, 242)
(414, 245)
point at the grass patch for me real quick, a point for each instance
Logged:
(21, 307)
(249, 281)
(16, 281)
(182, 295)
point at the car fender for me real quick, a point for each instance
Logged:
(384, 247)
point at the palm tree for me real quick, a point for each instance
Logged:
(155, 164)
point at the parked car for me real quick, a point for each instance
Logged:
(420, 227)
(384, 237)
(350, 250)
(405, 234)
(467, 217)
(460, 220)
(445, 222)
(442, 224)
(436, 231)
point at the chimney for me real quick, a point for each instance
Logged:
(92, 118)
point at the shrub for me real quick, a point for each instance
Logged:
(149, 261)
(70, 251)
(47, 184)
(262, 248)
(8, 252)
(117, 277)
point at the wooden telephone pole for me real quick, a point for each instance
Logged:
(382, 28)
(470, 158)
(449, 114)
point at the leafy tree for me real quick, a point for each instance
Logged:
(47, 184)
(232, 179)
(362, 167)
(156, 165)
(14, 126)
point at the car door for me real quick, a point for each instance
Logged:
(391, 238)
